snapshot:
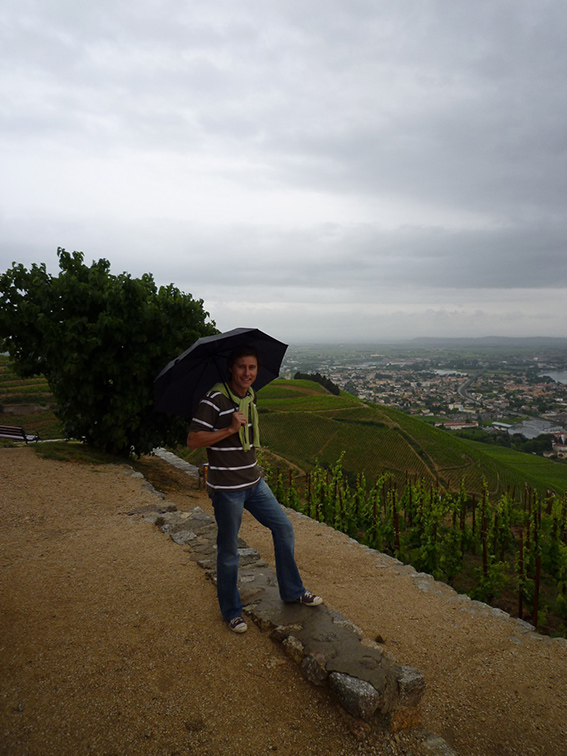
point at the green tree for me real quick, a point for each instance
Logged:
(99, 340)
(318, 378)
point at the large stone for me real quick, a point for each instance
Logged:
(314, 667)
(151, 489)
(207, 564)
(340, 619)
(294, 648)
(198, 516)
(281, 632)
(251, 594)
(182, 537)
(358, 697)
(248, 556)
(411, 686)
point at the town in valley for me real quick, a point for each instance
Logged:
(503, 386)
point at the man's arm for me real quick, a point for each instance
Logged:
(199, 439)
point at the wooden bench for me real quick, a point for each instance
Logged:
(17, 434)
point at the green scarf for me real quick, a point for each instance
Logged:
(243, 403)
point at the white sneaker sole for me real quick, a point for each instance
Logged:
(242, 627)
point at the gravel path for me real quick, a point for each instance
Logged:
(111, 641)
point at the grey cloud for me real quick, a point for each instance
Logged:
(356, 260)
(353, 259)
(455, 106)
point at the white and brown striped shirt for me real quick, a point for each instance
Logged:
(230, 467)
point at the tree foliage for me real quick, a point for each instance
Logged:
(99, 340)
(318, 378)
(517, 441)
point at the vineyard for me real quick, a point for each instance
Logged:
(305, 424)
(510, 551)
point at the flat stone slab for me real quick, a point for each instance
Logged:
(177, 462)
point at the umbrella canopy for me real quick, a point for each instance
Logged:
(186, 379)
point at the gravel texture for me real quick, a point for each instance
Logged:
(111, 641)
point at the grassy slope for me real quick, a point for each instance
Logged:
(302, 422)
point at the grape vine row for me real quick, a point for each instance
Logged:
(512, 548)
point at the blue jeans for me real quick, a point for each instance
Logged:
(263, 505)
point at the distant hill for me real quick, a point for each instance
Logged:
(527, 342)
(304, 423)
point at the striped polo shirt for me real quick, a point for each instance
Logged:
(230, 467)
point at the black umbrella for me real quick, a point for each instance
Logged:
(186, 379)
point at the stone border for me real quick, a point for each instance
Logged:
(328, 647)
(377, 692)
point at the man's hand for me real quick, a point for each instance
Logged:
(200, 439)
(238, 420)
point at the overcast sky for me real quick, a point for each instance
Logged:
(322, 169)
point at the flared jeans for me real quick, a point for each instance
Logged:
(263, 505)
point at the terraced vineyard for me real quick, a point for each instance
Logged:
(305, 424)
(27, 402)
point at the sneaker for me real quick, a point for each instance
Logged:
(237, 625)
(310, 599)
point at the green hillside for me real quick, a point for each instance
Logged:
(304, 423)
(27, 403)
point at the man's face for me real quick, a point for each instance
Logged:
(243, 374)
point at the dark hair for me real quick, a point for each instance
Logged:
(243, 351)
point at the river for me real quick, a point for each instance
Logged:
(560, 376)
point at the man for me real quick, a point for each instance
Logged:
(226, 423)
